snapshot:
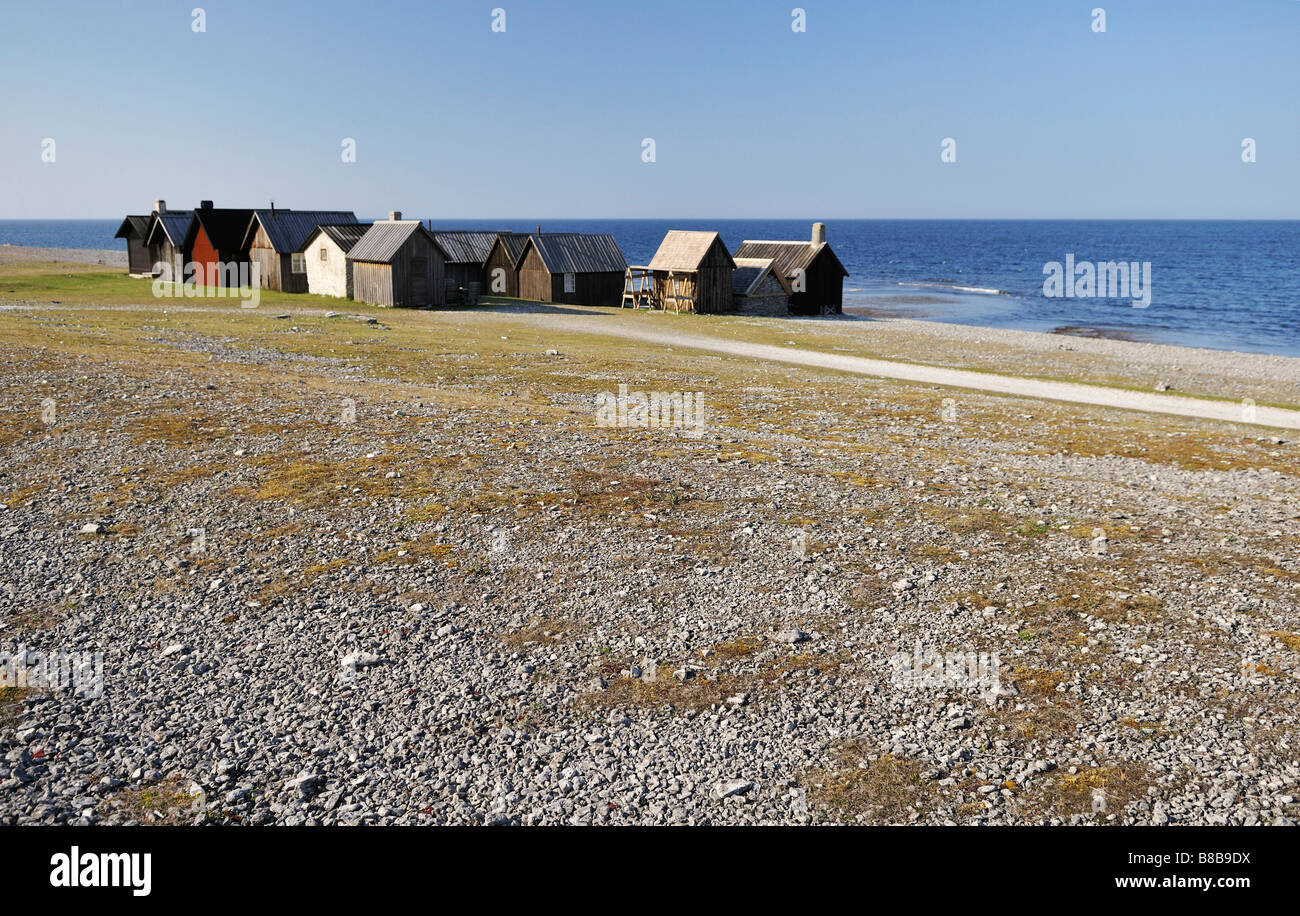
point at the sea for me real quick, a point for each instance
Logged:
(1220, 284)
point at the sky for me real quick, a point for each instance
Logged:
(749, 118)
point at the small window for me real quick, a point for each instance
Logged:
(299, 263)
(324, 253)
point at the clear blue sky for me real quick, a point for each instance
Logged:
(750, 119)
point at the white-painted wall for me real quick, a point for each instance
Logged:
(332, 276)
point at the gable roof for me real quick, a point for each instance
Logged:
(684, 249)
(345, 235)
(133, 227)
(577, 253)
(789, 256)
(385, 238)
(750, 272)
(465, 246)
(173, 224)
(224, 227)
(514, 244)
(288, 229)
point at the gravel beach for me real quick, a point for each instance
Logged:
(346, 565)
(19, 254)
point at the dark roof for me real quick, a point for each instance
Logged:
(174, 224)
(465, 246)
(514, 244)
(345, 235)
(288, 229)
(386, 237)
(789, 256)
(750, 272)
(133, 227)
(578, 253)
(224, 227)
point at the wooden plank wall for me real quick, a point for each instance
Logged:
(534, 279)
(372, 283)
(499, 258)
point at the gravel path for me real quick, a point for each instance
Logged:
(1229, 411)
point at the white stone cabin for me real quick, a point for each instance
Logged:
(329, 272)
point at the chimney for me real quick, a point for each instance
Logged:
(205, 205)
(394, 215)
(819, 234)
(159, 205)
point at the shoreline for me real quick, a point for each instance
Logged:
(1095, 358)
(31, 254)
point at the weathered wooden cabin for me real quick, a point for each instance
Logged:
(398, 263)
(573, 268)
(691, 272)
(275, 239)
(329, 272)
(135, 229)
(757, 288)
(501, 267)
(815, 274)
(467, 252)
(165, 239)
(214, 244)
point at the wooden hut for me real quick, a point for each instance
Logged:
(815, 274)
(467, 252)
(398, 262)
(690, 272)
(501, 267)
(573, 268)
(329, 272)
(165, 240)
(757, 288)
(214, 244)
(135, 229)
(275, 239)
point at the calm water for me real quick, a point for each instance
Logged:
(1226, 285)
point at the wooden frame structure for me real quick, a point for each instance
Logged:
(638, 288)
(691, 272)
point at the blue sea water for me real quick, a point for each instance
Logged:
(1232, 285)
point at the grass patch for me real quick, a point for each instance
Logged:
(1290, 640)
(1037, 681)
(536, 633)
(883, 790)
(426, 547)
(692, 695)
(1106, 789)
(737, 648)
(160, 804)
(11, 705)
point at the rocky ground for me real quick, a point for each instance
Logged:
(387, 567)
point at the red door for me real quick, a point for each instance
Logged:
(205, 258)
